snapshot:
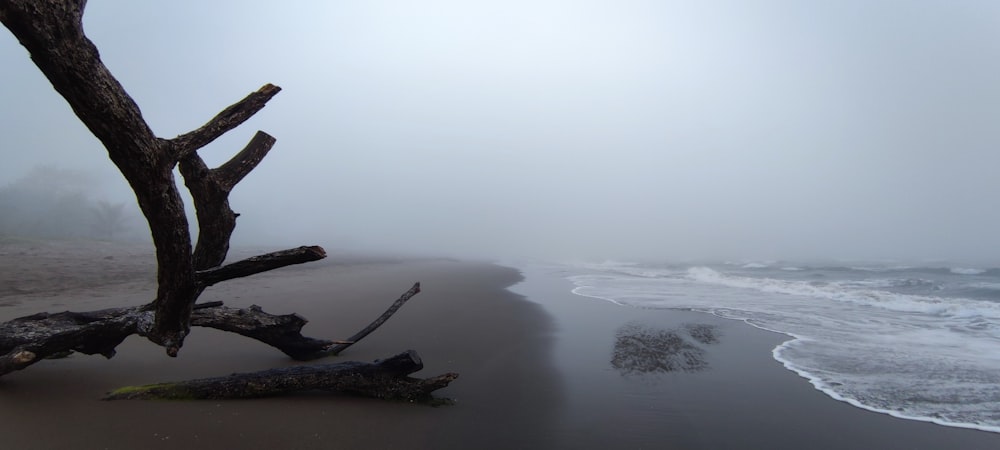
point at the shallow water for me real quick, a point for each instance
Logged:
(915, 342)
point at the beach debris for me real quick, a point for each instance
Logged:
(642, 349)
(702, 332)
(385, 379)
(26, 340)
(52, 32)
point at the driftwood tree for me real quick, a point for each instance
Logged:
(52, 32)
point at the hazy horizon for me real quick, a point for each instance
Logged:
(766, 130)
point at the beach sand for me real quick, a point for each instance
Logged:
(535, 369)
(463, 321)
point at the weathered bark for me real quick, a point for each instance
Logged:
(52, 32)
(27, 340)
(231, 117)
(385, 379)
(284, 332)
(210, 191)
(262, 263)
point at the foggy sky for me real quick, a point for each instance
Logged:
(619, 129)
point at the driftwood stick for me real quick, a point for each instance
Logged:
(336, 349)
(258, 264)
(386, 379)
(284, 332)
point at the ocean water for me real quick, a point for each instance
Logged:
(920, 343)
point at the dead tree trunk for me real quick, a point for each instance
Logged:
(52, 32)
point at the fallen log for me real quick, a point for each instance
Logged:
(385, 379)
(27, 340)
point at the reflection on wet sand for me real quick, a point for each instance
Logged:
(643, 349)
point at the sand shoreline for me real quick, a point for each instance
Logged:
(537, 367)
(742, 399)
(464, 321)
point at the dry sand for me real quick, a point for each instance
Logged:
(536, 372)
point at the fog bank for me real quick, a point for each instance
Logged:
(598, 129)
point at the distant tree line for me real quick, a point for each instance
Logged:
(51, 202)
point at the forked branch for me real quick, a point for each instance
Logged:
(210, 190)
(285, 332)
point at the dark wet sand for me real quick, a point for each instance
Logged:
(535, 374)
(741, 399)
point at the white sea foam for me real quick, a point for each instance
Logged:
(880, 268)
(967, 271)
(922, 357)
(975, 420)
(624, 268)
(889, 283)
(839, 292)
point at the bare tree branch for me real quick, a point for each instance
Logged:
(336, 349)
(216, 220)
(210, 192)
(261, 263)
(230, 173)
(226, 120)
(282, 332)
(285, 332)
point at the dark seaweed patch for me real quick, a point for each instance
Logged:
(640, 349)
